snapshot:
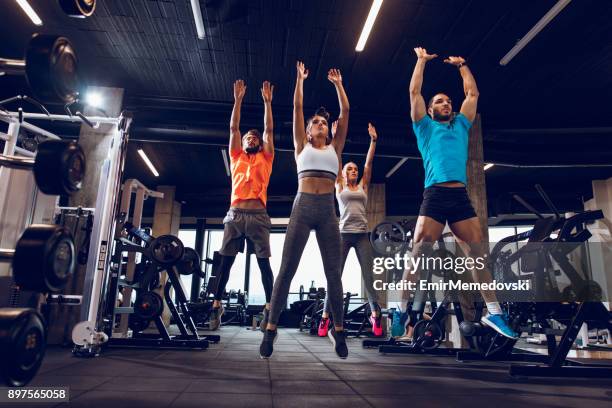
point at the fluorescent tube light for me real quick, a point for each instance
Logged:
(367, 27)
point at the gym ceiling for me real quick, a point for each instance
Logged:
(549, 106)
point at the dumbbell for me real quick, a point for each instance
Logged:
(50, 67)
(59, 166)
(22, 345)
(78, 8)
(43, 259)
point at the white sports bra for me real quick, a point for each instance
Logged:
(322, 161)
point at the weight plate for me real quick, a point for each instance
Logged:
(78, 8)
(44, 258)
(189, 263)
(59, 167)
(388, 238)
(428, 335)
(148, 305)
(51, 68)
(22, 345)
(166, 249)
(138, 324)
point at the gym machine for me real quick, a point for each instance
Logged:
(577, 304)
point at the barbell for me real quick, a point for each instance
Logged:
(78, 8)
(59, 166)
(50, 66)
(22, 345)
(43, 259)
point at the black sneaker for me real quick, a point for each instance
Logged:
(267, 344)
(264, 322)
(338, 339)
(215, 318)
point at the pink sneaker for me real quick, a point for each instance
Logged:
(376, 326)
(323, 327)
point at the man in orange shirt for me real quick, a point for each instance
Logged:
(251, 159)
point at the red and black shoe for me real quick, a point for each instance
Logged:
(377, 329)
(323, 327)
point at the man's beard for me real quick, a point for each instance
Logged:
(252, 150)
(442, 118)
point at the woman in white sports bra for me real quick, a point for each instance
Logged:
(313, 208)
(352, 196)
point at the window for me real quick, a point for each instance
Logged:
(310, 269)
(188, 238)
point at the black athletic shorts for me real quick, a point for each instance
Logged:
(444, 204)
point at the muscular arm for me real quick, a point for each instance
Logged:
(417, 104)
(469, 106)
(418, 109)
(235, 143)
(268, 135)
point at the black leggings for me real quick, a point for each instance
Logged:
(310, 211)
(363, 249)
(267, 278)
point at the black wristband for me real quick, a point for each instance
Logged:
(461, 64)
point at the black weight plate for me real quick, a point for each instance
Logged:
(189, 263)
(51, 68)
(44, 258)
(148, 305)
(137, 324)
(59, 167)
(388, 238)
(78, 8)
(22, 345)
(166, 249)
(428, 334)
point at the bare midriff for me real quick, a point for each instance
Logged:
(315, 185)
(251, 204)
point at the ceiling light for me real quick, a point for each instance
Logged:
(94, 99)
(397, 166)
(225, 162)
(30, 12)
(367, 27)
(488, 166)
(148, 162)
(556, 9)
(197, 16)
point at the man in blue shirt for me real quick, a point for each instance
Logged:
(442, 139)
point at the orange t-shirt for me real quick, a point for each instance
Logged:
(250, 175)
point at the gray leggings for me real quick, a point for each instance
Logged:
(363, 248)
(310, 211)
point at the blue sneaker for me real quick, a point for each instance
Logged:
(398, 327)
(499, 323)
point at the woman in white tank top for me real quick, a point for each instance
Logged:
(352, 196)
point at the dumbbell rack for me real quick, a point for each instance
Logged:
(184, 321)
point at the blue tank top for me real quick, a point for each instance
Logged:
(444, 148)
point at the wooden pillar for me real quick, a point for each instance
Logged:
(477, 190)
(166, 220)
(477, 186)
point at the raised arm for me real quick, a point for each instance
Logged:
(299, 130)
(470, 103)
(418, 109)
(367, 169)
(235, 144)
(268, 135)
(335, 77)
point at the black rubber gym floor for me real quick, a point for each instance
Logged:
(303, 372)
